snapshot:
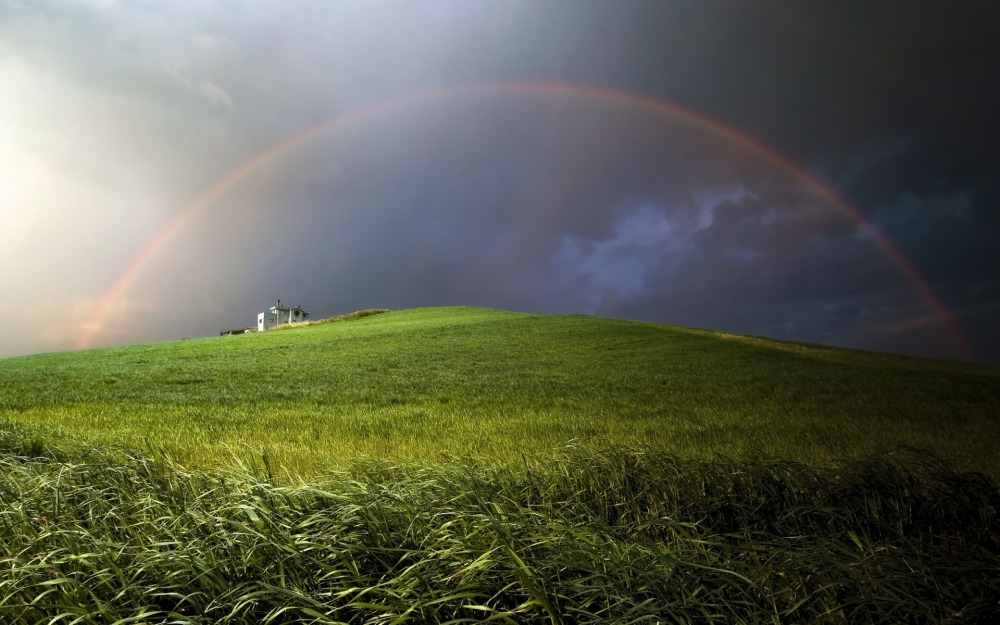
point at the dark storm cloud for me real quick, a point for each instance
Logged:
(660, 237)
(893, 103)
(116, 115)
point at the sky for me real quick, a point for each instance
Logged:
(826, 172)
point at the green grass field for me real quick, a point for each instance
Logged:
(425, 383)
(461, 465)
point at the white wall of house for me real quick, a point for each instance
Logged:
(265, 320)
(279, 315)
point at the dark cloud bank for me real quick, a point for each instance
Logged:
(544, 202)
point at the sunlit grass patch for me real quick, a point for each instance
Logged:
(430, 383)
(583, 536)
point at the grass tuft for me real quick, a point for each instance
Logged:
(358, 314)
(583, 537)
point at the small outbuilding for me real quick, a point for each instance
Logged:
(237, 331)
(279, 315)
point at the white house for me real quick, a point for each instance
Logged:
(280, 314)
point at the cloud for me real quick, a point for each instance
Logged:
(618, 264)
(212, 92)
(115, 116)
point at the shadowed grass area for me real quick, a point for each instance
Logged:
(583, 537)
(427, 383)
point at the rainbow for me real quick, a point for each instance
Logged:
(664, 107)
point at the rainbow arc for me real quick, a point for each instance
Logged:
(733, 135)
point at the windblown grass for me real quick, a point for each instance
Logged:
(589, 536)
(416, 468)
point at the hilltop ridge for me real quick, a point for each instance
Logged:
(424, 382)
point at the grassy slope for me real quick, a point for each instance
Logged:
(419, 383)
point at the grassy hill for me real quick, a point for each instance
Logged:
(587, 488)
(424, 383)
